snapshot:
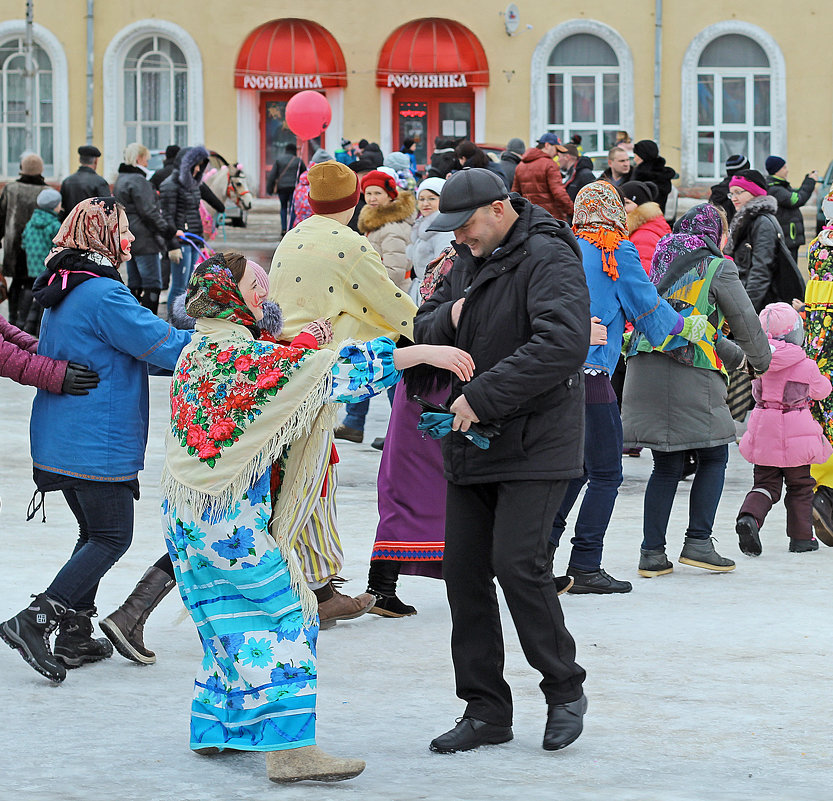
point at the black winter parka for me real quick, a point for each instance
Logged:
(84, 183)
(140, 201)
(526, 323)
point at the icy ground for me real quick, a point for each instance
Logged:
(701, 686)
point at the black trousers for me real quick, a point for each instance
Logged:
(501, 530)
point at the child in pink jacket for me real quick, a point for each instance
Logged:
(782, 439)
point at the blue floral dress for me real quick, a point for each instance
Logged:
(256, 687)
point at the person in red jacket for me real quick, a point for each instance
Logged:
(538, 179)
(19, 360)
(646, 223)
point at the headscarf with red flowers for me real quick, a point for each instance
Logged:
(213, 292)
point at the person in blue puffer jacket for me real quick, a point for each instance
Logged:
(91, 449)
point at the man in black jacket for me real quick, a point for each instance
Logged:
(85, 182)
(789, 201)
(516, 299)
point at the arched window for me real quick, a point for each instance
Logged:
(13, 106)
(583, 91)
(155, 94)
(734, 104)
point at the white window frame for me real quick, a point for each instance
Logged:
(540, 70)
(689, 74)
(49, 43)
(113, 74)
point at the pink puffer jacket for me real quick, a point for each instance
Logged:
(781, 430)
(19, 360)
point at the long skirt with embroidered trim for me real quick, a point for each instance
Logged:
(256, 688)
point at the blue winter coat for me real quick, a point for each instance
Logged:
(630, 297)
(100, 436)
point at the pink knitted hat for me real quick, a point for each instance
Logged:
(779, 320)
(261, 276)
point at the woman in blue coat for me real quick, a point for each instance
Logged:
(90, 448)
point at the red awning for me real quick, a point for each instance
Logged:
(432, 54)
(290, 54)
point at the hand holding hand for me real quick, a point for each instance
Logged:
(598, 332)
(455, 311)
(79, 380)
(321, 329)
(464, 415)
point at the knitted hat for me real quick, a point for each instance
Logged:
(774, 163)
(362, 165)
(333, 187)
(639, 192)
(261, 276)
(320, 156)
(782, 321)
(750, 180)
(434, 185)
(383, 181)
(646, 149)
(31, 164)
(398, 161)
(48, 199)
(736, 162)
(516, 145)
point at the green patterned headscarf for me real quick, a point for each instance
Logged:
(213, 292)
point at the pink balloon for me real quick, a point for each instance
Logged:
(308, 114)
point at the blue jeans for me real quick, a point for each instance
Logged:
(145, 272)
(357, 412)
(603, 475)
(181, 274)
(104, 513)
(706, 489)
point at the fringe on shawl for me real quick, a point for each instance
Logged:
(607, 241)
(299, 425)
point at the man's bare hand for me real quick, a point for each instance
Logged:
(464, 415)
(455, 311)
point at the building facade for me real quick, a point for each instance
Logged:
(748, 79)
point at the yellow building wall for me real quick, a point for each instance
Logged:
(803, 30)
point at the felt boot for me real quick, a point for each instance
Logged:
(309, 763)
(125, 627)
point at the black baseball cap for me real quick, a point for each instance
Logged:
(463, 194)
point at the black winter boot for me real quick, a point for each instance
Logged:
(381, 583)
(125, 627)
(823, 514)
(28, 632)
(595, 582)
(749, 540)
(75, 645)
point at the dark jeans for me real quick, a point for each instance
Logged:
(501, 530)
(603, 476)
(104, 513)
(706, 488)
(357, 412)
(285, 196)
(798, 499)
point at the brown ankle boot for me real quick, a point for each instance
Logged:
(333, 605)
(309, 763)
(125, 627)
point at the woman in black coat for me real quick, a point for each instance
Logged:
(650, 166)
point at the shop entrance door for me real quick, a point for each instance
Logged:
(275, 134)
(422, 116)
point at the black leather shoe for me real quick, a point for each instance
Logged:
(470, 733)
(564, 724)
(596, 581)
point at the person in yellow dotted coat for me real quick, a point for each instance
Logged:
(818, 344)
(323, 269)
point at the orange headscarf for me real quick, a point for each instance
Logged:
(599, 218)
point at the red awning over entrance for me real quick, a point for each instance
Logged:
(290, 54)
(432, 54)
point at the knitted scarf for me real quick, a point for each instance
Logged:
(599, 218)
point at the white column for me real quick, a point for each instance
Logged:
(479, 114)
(248, 136)
(386, 120)
(335, 130)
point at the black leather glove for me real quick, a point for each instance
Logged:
(79, 380)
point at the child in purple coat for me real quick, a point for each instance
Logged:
(782, 439)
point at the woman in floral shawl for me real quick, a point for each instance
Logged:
(248, 419)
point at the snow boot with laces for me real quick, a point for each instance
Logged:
(75, 645)
(28, 632)
(699, 552)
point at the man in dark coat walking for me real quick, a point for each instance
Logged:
(85, 182)
(517, 300)
(789, 201)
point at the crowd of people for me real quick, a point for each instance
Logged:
(536, 321)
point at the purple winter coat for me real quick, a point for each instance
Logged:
(19, 360)
(781, 430)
